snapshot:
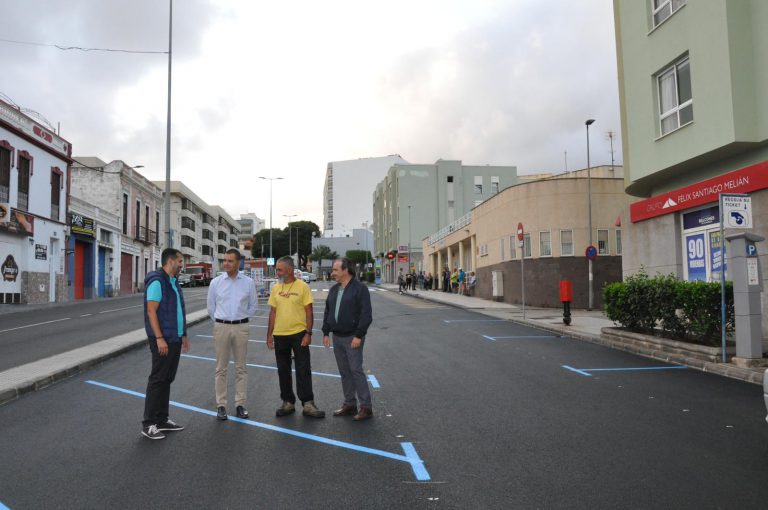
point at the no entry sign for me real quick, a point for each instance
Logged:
(519, 231)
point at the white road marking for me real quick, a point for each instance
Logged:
(124, 308)
(86, 315)
(33, 325)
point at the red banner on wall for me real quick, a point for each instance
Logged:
(747, 179)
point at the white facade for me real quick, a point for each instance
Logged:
(347, 192)
(249, 225)
(34, 176)
(120, 190)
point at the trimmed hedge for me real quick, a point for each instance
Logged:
(680, 309)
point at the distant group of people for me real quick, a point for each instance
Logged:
(231, 304)
(456, 281)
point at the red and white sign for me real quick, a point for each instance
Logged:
(520, 232)
(747, 179)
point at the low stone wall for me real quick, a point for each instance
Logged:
(35, 288)
(543, 276)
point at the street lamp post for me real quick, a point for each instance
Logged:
(270, 179)
(409, 238)
(289, 216)
(168, 134)
(589, 202)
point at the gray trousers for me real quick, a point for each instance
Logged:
(354, 383)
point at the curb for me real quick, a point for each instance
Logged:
(74, 362)
(721, 369)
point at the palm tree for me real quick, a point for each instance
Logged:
(320, 253)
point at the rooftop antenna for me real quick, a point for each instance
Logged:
(611, 135)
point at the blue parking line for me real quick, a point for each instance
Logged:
(3, 507)
(586, 371)
(577, 370)
(494, 338)
(255, 365)
(411, 457)
(474, 320)
(374, 382)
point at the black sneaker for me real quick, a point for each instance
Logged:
(169, 426)
(152, 432)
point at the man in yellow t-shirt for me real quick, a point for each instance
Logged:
(290, 332)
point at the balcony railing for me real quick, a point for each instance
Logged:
(146, 236)
(450, 229)
(23, 201)
(4, 194)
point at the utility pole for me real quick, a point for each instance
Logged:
(168, 134)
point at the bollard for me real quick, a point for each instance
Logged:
(566, 296)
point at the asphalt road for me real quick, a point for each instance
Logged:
(40, 332)
(502, 416)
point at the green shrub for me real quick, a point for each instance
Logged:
(680, 309)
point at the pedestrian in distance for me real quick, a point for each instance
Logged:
(347, 317)
(462, 282)
(165, 322)
(408, 281)
(472, 283)
(231, 303)
(400, 281)
(290, 332)
(455, 280)
(446, 280)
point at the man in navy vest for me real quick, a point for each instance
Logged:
(166, 325)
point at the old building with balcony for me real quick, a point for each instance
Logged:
(34, 176)
(117, 188)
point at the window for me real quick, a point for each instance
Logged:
(566, 243)
(495, 184)
(527, 246)
(207, 250)
(602, 242)
(5, 171)
(207, 234)
(663, 9)
(483, 249)
(24, 167)
(675, 97)
(138, 220)
(478, 185)
(501, 248)
(125, 213)
(545, 244)
(187, 223)
(512, 247)
(618, 241)
(187, 242)
(57, 182)
(450, 178)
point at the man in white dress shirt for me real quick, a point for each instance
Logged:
(231, 302)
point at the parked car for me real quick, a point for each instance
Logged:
(184, 279)
(765, 391)
(312, 277)
(305, 277)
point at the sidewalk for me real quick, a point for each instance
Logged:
(39, 374)
(585, 325)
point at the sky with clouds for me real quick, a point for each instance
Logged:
(282, 88)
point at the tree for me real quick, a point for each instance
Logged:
(322, 252)
(359, 256)
(302, 233)
(279, 241)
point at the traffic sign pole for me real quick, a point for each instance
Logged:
(521, 238)
(722, 277)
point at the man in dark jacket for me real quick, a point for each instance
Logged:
(166, 326)
(347, 316)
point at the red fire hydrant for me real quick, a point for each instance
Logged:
(566, 296)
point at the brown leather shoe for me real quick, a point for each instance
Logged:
(346, 410)
(364, 414)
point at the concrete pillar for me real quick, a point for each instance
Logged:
(473, 254)
(437, 273)
(461, 255)
(450, 259)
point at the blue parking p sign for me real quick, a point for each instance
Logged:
(751, 250)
